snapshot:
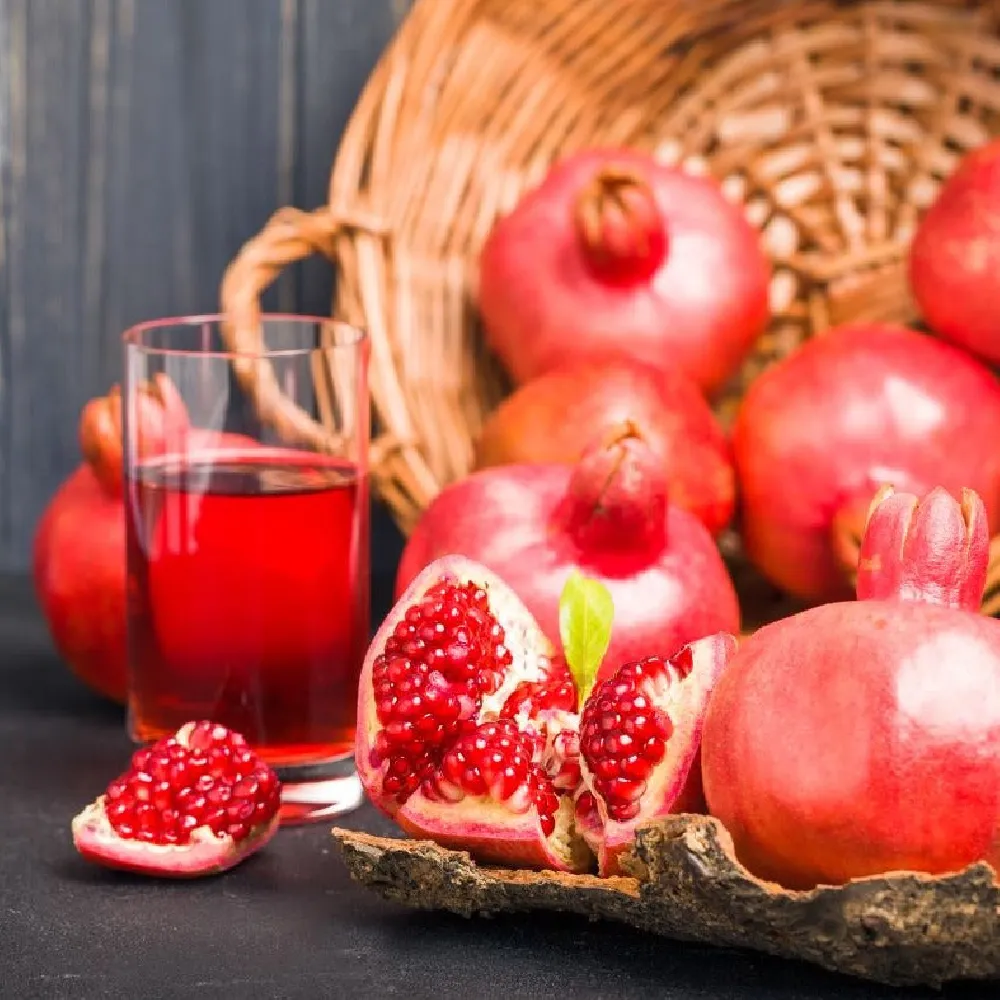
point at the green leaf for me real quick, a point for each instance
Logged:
(586, 611)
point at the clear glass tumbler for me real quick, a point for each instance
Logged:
(248, 542)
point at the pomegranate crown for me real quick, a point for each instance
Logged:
(933, 549)
(620, 226)
(616, 499)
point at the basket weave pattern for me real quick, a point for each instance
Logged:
(833, 123)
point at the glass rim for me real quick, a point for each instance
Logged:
(131, 338)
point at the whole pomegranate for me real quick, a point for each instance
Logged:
(556, 416)
(468, 730)
(955, 256)
(79, 545)
(853, 409)
(616, 254)
(195, 803)
(860, 738)
(608, 516)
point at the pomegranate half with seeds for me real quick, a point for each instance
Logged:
(467, 724)
(469, 734)
(640, 744)
(194, 803)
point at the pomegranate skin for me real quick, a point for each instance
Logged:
(504, 519)
(857, 407)
(78, 552)
(544, 303)
(554, 417)
(955, 256)
(855, 739)
(79, 576)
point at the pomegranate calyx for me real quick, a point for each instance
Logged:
(933, 549)
(616, 500)
(620, 226)
(162, 421)
(100, 436)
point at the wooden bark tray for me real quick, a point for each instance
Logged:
(903, 929)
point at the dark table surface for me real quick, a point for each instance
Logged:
(288, 923)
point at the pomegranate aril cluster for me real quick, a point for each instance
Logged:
(623, 735)
(496, 760)
(558, 692)
(209, 779)
(445, 654)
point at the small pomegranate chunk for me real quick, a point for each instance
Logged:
(640, 742)
(467, 724)
(191, 804)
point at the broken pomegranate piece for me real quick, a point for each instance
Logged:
(467, 730)
(194, 803)
(640, 743)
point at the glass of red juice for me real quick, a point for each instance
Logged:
(248, 541)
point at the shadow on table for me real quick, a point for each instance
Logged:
(619, 961)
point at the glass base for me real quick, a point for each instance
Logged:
(319, 791)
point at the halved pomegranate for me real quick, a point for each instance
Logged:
(195, 803)
(467, 724)
(468, 732)
(640, 744)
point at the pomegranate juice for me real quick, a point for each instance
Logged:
(248, 598)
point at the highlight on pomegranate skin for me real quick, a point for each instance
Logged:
(194, 803)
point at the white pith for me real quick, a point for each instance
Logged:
(94, 818)
(496, 831)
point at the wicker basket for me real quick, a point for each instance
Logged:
(834, 123)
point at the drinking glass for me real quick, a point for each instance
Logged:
(247, 542)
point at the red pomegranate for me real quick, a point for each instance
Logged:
(615, 254)
(79, 546)
(608, 517)
(955, 256)
(556, 416)
(853, 409)
(864, 737)
(196, 803)
(468, 732)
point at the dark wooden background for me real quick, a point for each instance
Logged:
(141, 142)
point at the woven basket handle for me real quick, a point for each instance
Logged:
(290, 235)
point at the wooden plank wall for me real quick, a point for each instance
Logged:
(141, 142)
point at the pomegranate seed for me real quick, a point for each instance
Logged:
(529, 698)
(497, 760)
(586, 804)
(442, 657)
(623, 738)
(172, 789)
